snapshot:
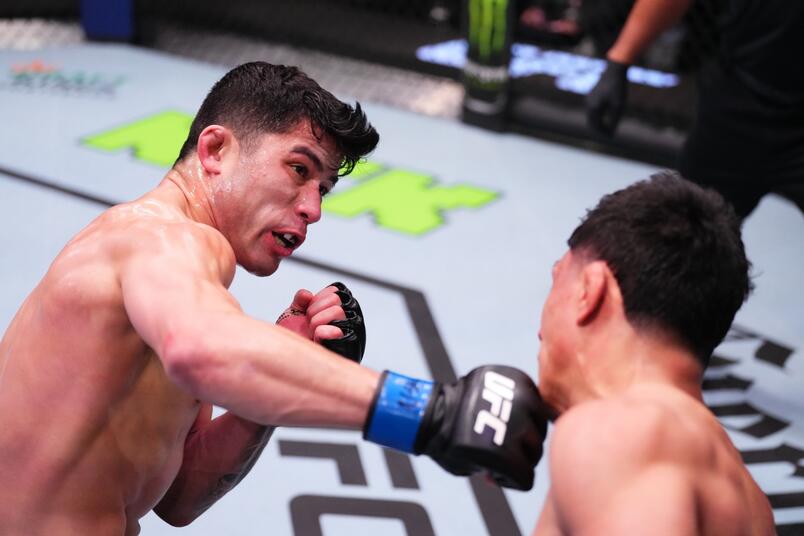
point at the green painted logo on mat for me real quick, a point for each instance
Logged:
(405, 201)
(397, 199)
(156, 139)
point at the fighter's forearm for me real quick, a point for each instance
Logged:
(217, 457)
(648, 18)
(267, 374)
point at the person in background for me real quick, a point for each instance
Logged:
(747, 139)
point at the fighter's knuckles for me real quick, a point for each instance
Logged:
(322, 302)
(325, 292)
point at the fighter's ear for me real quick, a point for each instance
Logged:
(594, 286)
(213, 143)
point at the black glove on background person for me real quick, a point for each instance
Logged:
(493, 420)
(352, 344)
(606, 102)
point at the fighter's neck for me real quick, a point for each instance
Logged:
(187, 188)
(618, 368)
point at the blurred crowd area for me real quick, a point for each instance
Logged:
(587, 27)
(369, 49)
(592, 26)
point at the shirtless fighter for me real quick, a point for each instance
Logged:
(110, 368)
(648, 289)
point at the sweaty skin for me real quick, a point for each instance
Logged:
(652, 460)
(104, 368)
(634, 449)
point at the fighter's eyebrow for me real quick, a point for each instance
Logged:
(306, 151)
(303, 149)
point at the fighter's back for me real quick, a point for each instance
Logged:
(728, 500)
(92, 430)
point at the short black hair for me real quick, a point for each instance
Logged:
(677, 254)
(258, 97)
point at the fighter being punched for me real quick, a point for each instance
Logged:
(648, 288)
(114, 361)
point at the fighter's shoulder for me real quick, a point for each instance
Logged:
(621, 428)
(151, 226)
(147, 231)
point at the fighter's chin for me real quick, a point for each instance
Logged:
(260, 269)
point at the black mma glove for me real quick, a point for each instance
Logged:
(606, 102)
(353, 342)
(492, 420)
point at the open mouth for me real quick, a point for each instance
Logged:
(286, 240)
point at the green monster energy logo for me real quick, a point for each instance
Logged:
(487, 27)
(397, 199)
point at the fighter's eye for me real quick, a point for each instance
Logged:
(300, 169)
(323, 190)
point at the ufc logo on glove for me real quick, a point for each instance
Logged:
(499, 391)
(450, 422)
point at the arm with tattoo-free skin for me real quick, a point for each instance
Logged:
(648, 19)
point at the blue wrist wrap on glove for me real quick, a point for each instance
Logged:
(398, 411)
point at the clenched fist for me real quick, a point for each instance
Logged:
(332, 318)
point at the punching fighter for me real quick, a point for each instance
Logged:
(110, 368)
(649, 287)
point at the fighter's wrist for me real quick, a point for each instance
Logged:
(396, 413)
(617, 69)
(620, 56)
